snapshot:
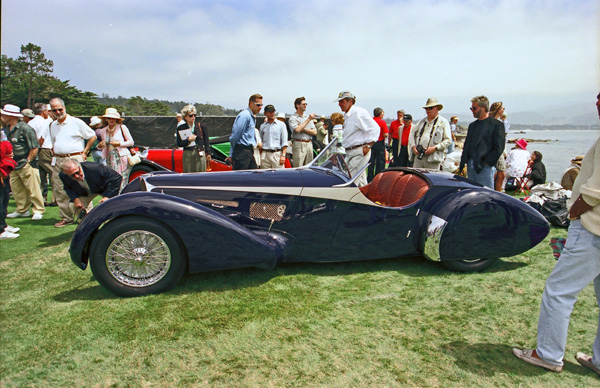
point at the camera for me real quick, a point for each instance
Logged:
(421, 151)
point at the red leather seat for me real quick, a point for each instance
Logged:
(395, 189)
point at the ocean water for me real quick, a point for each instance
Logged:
(557, 153)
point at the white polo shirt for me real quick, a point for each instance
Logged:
(359, 127)
(42, 129)
(70, 136)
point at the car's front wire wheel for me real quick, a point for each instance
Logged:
(134, 256)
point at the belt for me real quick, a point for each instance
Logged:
(67, 155)
(272, 150)
(243, 146)
(356, 146)
(303, 141)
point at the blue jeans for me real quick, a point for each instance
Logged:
(485, 176)
(578, 266)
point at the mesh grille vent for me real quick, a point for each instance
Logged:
(267, 211)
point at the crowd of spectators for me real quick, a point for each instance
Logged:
(45, 137)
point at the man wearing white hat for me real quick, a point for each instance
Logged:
(69, 136)
(41, 124)
(430, 138)
(25, 179)
(360, 133)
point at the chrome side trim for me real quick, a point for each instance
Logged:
(149, 187)
(434, 236)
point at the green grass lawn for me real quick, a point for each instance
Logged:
(389, 323)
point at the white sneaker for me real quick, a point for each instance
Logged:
(16, 214)
(8, 235)
(37, 216)
(11, 229)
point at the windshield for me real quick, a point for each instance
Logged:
(331, 159)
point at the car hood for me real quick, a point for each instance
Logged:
(289, 177)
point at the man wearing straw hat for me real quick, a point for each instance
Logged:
(430, 138)
(68, 136)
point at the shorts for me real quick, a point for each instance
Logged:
(501, 164)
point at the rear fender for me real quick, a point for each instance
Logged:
(212, 241)
(473, 224)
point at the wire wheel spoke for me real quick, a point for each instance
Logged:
(138, 258)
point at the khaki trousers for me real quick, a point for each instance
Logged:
(193, 162)
(87, 204)
(25, 185)
(63, 200)
(302, 153)
(271, 160)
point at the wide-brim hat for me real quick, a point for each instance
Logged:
(112, 113)
(432, 102)
(522, 143)
(577, 160)
(11, 110)
(280, 116)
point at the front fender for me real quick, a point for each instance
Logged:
(481, 223)
(212, 241)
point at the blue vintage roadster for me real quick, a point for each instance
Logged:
(168, 223)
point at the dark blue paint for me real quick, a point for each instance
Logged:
(481, 222)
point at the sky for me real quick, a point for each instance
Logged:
(530, 54)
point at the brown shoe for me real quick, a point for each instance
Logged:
(586, 361)
(62, 223)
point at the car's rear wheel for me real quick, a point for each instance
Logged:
(135, 256)
(468, 265)
(139, 170)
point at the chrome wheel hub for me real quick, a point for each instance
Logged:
(138, 258)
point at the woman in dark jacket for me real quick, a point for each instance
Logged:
(194, 140)
(538, 170)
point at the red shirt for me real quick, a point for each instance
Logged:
(394, 128)
(406, 134)
(383, 128)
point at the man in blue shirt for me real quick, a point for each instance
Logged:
(242, 137)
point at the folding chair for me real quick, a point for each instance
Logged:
(523, 181)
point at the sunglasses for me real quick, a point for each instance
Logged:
(76, 173)
(474, 109)
(192, 115)
(58, 110)
(429, 107)
(258, 105)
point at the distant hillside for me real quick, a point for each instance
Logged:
(580, 116)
